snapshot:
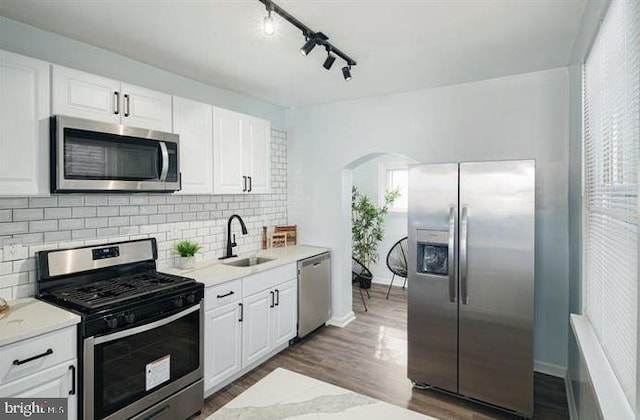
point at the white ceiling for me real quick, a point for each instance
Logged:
(399, 45)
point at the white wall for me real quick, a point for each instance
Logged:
(523, 116)
(48, 46)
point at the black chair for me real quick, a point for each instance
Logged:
(397, 262)
(361, 275)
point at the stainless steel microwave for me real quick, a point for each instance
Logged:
(91, 156)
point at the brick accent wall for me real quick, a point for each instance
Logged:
(62, 221)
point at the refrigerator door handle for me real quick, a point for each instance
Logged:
(464, 227)
(451, 256)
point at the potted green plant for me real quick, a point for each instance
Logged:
(186, 251)
(368, 224)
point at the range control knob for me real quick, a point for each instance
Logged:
(191, 298)
(179, 302)
(112, 322)
(129, 317)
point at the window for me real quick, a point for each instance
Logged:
(611, 140)
(392, 178)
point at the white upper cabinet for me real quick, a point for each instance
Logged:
(227, 152)
(193, 122)
(24, 125)
(257, 142)
(241, 153)
(85, 95)
(146, 108)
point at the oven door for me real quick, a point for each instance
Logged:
(130, 370)
(94, 156)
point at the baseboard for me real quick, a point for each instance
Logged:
(571, 401)
(382, 280)
(550, 369)
(342, 322)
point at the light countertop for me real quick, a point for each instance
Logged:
(215, 272)
(30, 317)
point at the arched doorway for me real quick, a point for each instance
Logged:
(373, 174)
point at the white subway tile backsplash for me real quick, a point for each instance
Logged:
(108, 211)
(116, 200)
(43, 226)
(70, 200)
(57, 213)
(21, 215)
(64, 221)
(68, 224)
(83, 212)
(96, 200)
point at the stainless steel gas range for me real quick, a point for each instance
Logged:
(141, 335)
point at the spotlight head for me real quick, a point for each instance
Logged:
(308, 46)
(346, 72)
(269, 27)
(329, 61)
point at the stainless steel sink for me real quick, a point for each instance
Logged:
(248, 262)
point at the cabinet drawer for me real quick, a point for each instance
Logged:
(222, 294)
(268, 279)
(54, 348)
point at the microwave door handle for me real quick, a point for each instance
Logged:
(165, 161)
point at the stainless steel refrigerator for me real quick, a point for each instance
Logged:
(471, 278)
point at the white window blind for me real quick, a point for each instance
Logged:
(611, 98)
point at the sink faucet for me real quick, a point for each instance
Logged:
(230, 243)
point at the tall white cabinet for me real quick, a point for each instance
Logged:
(193, 121)
(241, 153)
(84, 95)
(24, 125)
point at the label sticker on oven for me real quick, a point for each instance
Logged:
(158, 371)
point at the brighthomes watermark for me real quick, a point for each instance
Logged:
(33, 408)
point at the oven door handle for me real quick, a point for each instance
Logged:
(126, 333)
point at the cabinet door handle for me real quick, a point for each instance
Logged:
(30, 359)
(250, 183)
(273, 302)
(127, 105)
(72, 368)
(241, 312)
(277, 297)
(225, 295)
(116, 95)
(244, 180)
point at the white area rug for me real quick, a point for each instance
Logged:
(287, 395)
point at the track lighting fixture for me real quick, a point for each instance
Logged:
(308, 46)
(269, 28)
(346, 72)
(312, 38)
(328, 62)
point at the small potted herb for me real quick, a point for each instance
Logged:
(186, 251)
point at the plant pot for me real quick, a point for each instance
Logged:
(186, 262)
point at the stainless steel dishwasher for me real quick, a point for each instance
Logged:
(314, 292)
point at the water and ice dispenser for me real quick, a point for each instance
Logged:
(433, 252)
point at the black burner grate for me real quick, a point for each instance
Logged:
(107, 292)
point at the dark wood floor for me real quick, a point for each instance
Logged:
(369, 357)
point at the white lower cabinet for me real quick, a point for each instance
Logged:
(285, 317)
(44, 366)
(56, 382)
(255, 326)
(258, 327)
(223, 344)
